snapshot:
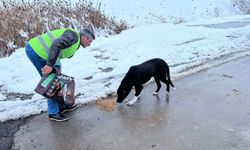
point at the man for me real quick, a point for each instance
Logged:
(45, 52)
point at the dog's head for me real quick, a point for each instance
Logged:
(126, 85)
(123, 91)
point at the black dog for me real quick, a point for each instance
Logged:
(142, 73)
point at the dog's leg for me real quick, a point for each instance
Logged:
(130, 103)
(158, 83)
(167, 97)
(138, 90)
(164, 80)
(167, 89)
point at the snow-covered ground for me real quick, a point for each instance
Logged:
(141, 12)
(98, 69)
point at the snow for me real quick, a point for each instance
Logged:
(2, 97)
(141, 12)
(186, 47)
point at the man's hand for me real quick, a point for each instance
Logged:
(46, 70)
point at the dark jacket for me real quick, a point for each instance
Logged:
(67, 39)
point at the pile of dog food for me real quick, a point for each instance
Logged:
(106, 104)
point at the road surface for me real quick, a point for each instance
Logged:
(208, 110)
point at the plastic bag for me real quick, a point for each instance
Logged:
(58, 87)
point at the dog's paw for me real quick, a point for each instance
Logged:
(167, 97)
(129, 104)
(126, 100)
(118, 104)
(155, 93)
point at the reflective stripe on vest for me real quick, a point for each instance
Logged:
(51, 37)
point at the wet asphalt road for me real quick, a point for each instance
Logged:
(7, 130)
(208, 110)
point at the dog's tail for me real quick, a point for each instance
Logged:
(168, 74)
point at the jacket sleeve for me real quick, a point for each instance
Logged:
(67, 39)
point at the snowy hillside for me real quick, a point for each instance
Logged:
(142, 12)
